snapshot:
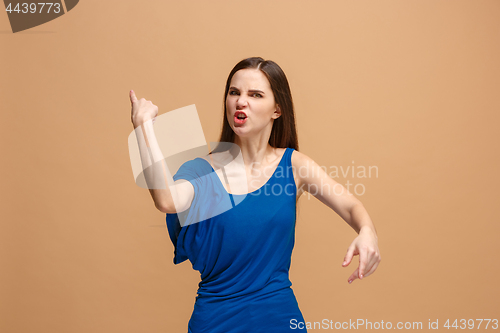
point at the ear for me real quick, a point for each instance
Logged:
(277, 112)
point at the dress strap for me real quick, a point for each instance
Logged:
(284, 178)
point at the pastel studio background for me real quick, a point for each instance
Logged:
(410, 87)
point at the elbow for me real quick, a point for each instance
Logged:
(352, 211)
(355, 204)
(356, 207)
(165, 207)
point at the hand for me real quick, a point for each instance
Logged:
(366, 245)
(142, 110)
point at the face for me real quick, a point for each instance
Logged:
(250, 96)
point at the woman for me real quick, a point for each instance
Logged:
(243, 252)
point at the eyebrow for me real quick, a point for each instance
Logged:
(251, 90)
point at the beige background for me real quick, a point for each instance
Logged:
(408, 86)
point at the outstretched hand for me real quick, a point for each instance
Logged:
(366, 246)
(142, 110)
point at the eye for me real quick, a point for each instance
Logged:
(256, 95)
(233, 92)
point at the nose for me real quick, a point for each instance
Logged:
(241, 101)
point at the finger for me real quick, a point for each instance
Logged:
(374, 259)
(133, 98)
(348, 256)
(374, 262)
(374, 267)
(363, 258)
(353, 276)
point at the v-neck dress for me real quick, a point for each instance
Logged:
(243, 254)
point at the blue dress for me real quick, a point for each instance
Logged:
(243, 254)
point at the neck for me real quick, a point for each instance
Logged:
(254, 151)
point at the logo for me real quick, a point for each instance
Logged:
(28, 14)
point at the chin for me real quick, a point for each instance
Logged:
(242, 133)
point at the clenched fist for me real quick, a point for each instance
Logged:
(142, 110)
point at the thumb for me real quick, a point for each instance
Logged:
(132, 96)
(348, 256)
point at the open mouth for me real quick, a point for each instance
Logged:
(240, 117)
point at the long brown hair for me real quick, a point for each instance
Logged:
(283, 133)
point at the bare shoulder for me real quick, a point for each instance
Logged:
(301, 160)
(300, 164)
(305, 167)
(299, 157)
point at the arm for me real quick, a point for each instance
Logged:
(313, 179)
(168, 196)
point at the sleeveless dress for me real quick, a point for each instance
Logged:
(243, 254)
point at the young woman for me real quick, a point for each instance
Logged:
(244, 252)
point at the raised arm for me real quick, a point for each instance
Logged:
(313, 179)
(168, 196)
